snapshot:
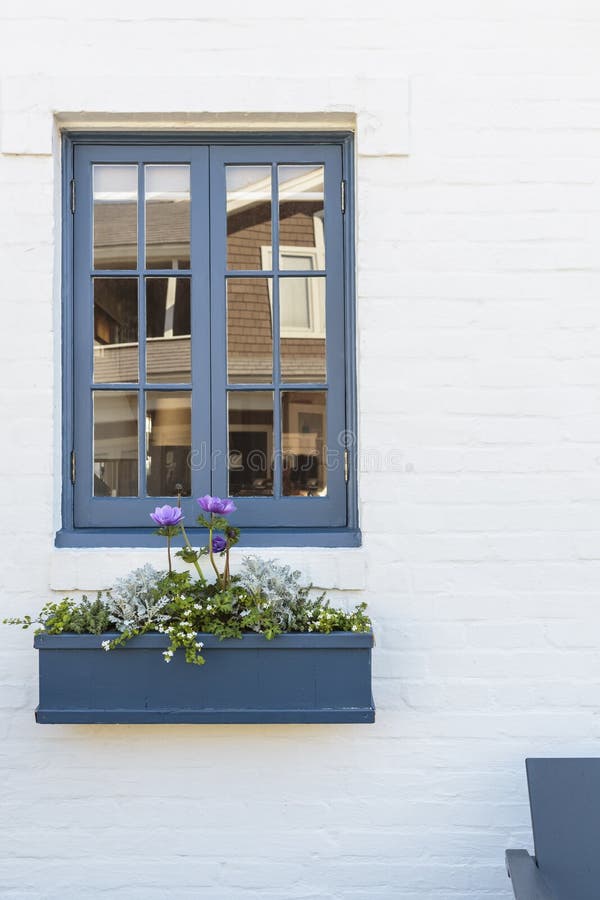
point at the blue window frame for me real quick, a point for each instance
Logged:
(209, 335)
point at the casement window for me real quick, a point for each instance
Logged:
(209, 335)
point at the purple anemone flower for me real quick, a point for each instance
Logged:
(216, 505)
(167, 515)
(218, 543)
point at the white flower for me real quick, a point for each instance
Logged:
(208, 607)
(106, 645)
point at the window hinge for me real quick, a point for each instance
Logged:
(73, 467)
(346, 465)
(343, 196)
(72, 195)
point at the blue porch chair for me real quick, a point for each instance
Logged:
(564, 796)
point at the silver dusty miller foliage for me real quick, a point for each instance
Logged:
(135, 601)
(279, 586)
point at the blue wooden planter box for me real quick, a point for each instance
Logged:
(293, 678)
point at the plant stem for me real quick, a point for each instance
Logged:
(210, 550)
(226, 576)
(196, 564)
(169, 553)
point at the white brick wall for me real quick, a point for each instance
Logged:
(479, 376)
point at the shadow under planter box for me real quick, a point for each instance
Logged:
(292, 678)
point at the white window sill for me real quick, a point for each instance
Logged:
(94, 569)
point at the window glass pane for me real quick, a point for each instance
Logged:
(168, 331)
(115, 217)
(248, 217)
(168, 429)
(301, 215)
(167, 217)
(249, 330)
(250, 450)
(302, 329)
(115, 443)
(303, 431)
(115, 329)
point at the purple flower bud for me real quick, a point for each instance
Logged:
(218, 543)
(164, 516)
(216, 505)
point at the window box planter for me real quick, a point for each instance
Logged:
(293, 678)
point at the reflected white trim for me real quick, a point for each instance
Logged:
(316, 287)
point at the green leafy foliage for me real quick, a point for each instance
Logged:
(79, 617)
(209, 609)
(191, 556)
(265, 598)
(324, 619)
(89, 617)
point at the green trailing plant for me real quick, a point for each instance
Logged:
(266, 597)
(90, 616)
(226, 613)
(324, 619)
(75, 616)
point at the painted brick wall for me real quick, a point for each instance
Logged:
(479, 370)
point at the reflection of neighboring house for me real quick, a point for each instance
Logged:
(302, 320)
(115, 234)
(168, 358)
(302, 301)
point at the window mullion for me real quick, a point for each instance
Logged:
(201, 292)
(277, 467)
(141, 262)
